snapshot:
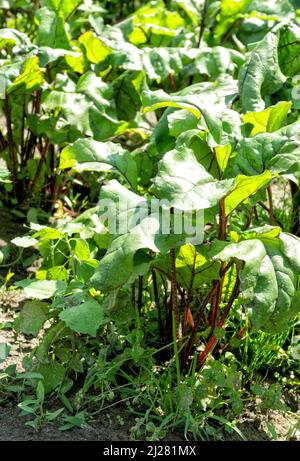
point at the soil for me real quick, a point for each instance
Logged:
(253, 425)
(12, 428)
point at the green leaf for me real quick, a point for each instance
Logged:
(53, 374)
(191, 8)
(48, 55)
(4, 173)
(12, 37)
(64, 6)
(127, 207)
(85, 318)
(24, 242)
(127, 89)
(286, 281)
(269, 277)
(31, 77)
(49, 233)
(191, 263)
(277, 152)
(57, 273)
(196, 98)
(4, 351)
(86, 154)
(282, 9)
(269, 120)
(88, 112)
(244, 187)
(265, 232)
(41, 289)
(180, 121)
(223, 154)
(186, 184)
(233, 7)
(31, 318)
(260, 75)
(207, 99)
(141, 231)
(290, 246)
(259, 290)
(154, 23)
(51, 31)
(82, 249)
(86, 269)
(231, 11)
(182, 63)
(95, 49)
(289, 49)
(118, 307)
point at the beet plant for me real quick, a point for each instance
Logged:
(184, 141)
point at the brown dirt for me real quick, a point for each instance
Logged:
(255, 425)
(12, 427)
(20, 344)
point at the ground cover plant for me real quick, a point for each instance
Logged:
(150, 154)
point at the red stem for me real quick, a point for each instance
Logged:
(140, 294)
(174, 291)
(39, 167)
(270, 195)
(158, 306)
(223, 221)
(212, 342)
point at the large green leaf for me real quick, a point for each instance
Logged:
(30, 79)
(84, 318)
(52, 30)
(95, 49)
(195, 98)
(186, 184)
(53, 374)
(127, 89)
(141, 230)
(277, 152)
(289, 49)
(153, 23)
(244, 187)
(118, 266)
(259, 290)
(194, 266)
(260, 76)
(269, 276)
(281, 9)
(11, 37)
(268, 120)
(41, 289)
(87, 154)
(127, 207)
(118, 307)
(66, 7)
(32, 317)
(204, 99)
(87, 111)
(182, 63)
